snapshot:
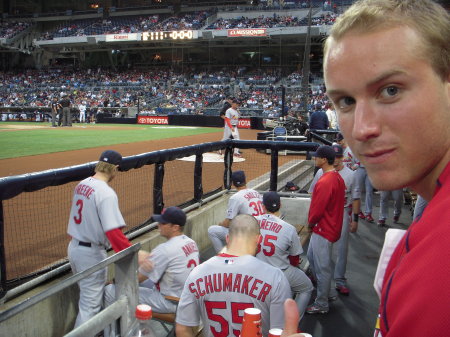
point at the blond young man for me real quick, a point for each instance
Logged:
(387, 72)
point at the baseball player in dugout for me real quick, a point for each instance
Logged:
(217, 292)
(349, 222)
(395, 116)
(279, 246)
(95, 223)
(325, 221)
(245, 201)
(165, 270)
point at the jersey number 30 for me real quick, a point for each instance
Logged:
(77, 218)
(237, 312)
(257, 208)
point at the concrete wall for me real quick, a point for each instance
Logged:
(55, 316)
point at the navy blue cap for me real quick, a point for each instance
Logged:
(271, 201)
(111, 157)
(238, 178)
(338, 150)
(324, 151)
(173, 215)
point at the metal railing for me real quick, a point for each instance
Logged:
(125, 264)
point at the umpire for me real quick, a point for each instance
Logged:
(66, 105)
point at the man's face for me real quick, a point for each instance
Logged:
(318, 162)
(393, 109)
(164, 229)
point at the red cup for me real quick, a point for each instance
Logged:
(251, 323)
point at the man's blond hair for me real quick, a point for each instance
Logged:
(105, 167)
(427, 18)
(243, 225)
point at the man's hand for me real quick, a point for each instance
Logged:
(142, 256)
(291, 319)
(353, 227)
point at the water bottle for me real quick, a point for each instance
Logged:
(141, 326)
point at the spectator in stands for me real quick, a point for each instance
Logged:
(406, 44)
(318, 119)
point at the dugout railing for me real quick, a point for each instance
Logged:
(27, 201)
(121, 311)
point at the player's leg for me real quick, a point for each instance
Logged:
(226, 133)
(360, 175)
(91, 287)
(322, 265)
(384, 207)
(237, 137)
(153, 298)
(301, 286)
(53, 118)
(368, 202)
(217, 235)
(397, 195)
(341, 257)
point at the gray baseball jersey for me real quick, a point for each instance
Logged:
(173, 261)
(233, 116)
(95, 210)
(245, 201)
(352, 190)
(349, 159)
(218, 291)
(278, 240)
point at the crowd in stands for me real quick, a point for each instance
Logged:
(324, 19)
(160, 90)
(259, 22)
(9, 29)
(129, 24)
(187, 21)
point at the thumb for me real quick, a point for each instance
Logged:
(291, 318)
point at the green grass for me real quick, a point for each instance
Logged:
(19, 143)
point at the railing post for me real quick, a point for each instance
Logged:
(158, 200)
(273, 169)
(2, 253)
(126, 279)
(198, 185)
(228, 163)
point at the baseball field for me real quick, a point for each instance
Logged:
(36, 223)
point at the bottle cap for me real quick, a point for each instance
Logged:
(143, 311)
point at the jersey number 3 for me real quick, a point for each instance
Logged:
(237, 311)
(77, 218)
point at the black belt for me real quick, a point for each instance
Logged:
(84, 244)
